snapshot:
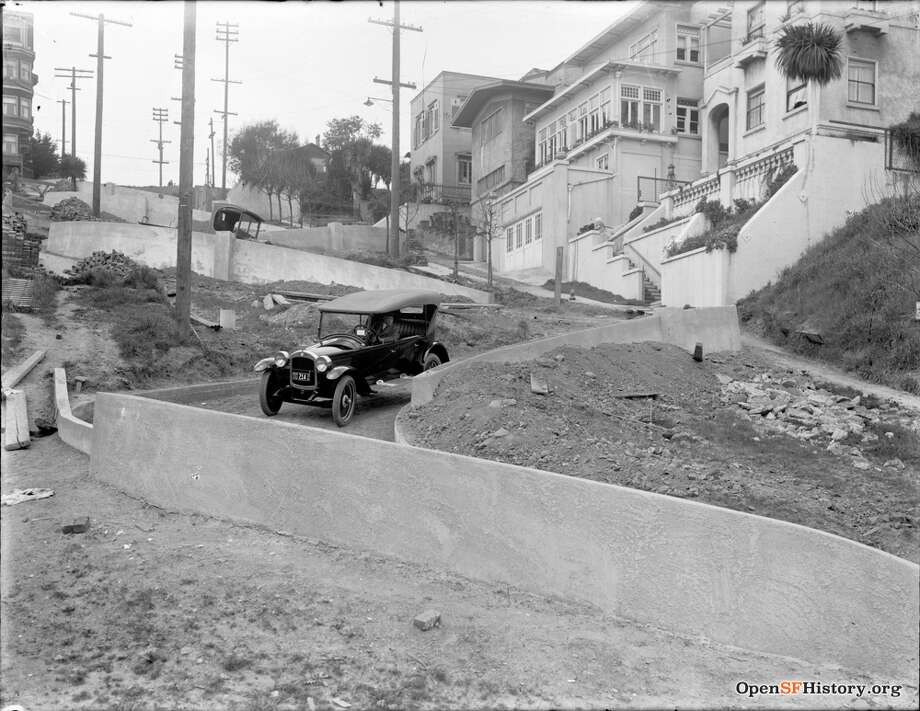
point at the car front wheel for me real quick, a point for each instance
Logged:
(432, 360)
(269, 401)
(343, 401)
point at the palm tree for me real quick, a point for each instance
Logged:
(809, 53)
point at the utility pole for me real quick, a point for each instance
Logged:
(211, 136)
(226, 33)
(100, 56)
(63, 103)
(395, 85)
(74, 76)
(161, 116)
(186, 177)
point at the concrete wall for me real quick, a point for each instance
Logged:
(72, 430)
(255, 263)
(334, 236)
(716, 328)
(257, 201)
(847, 175)
(223, 257)
(129, 204)
(695, 569)
(594, 262)
(153, 246)
(698, 278)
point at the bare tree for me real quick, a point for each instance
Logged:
(488, 228)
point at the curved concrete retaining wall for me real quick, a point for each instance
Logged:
(716, 328)
(680, 565)
(71, 429)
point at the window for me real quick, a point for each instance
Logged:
(519, 234)
(861, 81)
(433, 118)
(605, 107)
(688, 117)
(644, 50)
(12, 34)
(755, 108)
(9, 69)
(10, 143)
(464, 169)
(455, 105)
(651, 109)
(688, 44)
(755, 22)
(602, 162)
(25, 71)
(25, 108)
(796, 94)
(537, 226)
(542, 148)
(490, 127)
(509, 239)
(431, 171)
(528, 231)
(10, 106)
(629, 106)
(496, 177)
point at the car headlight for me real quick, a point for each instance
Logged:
(322, 364)
(281, 359)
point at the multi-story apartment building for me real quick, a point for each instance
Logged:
(624, 105)
(441, 151)
(18, 89)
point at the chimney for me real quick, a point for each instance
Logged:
(317, 139)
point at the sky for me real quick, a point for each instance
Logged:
(300, 63)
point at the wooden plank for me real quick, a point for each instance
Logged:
(204, 322)
(14, 375)
(16, 434)
(464, 305)
(305, 296)
(636, 396)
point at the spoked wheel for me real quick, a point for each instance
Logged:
(269, 401)
(432, 360)
(344, 400)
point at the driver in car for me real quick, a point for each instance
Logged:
(381, 326)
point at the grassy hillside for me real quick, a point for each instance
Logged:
(850, 300)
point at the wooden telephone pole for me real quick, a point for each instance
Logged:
(186, 177)
(161, 116)
(395, 85)
(100, 55)
(74, 74)
(226, 32)
(63, 103)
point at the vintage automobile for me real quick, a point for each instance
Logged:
(362, 338)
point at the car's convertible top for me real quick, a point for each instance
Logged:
(380, 301)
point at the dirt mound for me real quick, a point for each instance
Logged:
(812, 457)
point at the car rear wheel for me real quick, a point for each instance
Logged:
(343, 401)
(269, 401)
(432, 360)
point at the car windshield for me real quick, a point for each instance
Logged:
(330, 324)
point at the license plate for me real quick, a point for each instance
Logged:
(302, 376)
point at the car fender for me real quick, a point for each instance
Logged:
(265, 364)
(439, 350)
(338, 372)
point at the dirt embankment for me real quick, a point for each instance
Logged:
(731, 431)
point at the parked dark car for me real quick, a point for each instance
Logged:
(362, 338)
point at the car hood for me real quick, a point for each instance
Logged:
(317, 350)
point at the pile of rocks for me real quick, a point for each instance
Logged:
(71, 210)
(807, 413)
(113, 262)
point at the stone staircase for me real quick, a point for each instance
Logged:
(651, 292)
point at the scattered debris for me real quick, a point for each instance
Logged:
(113, 262)
(340, 703)
(268, 302)
(20, 495)
(698, 353)
(73, 209)
(79, 526)
(636, 396)
(538, 386)
(427, 620)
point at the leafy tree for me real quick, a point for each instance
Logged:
(356, 162)
(252, 157)
(73, 168)
(43, 155)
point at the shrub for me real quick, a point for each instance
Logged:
(634, 213)
(713, 210)
(143, 278)
(907, 136)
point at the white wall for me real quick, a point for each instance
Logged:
(129, 204)
(591, 260)
(697, 278)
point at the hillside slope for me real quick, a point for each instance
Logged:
(850, 300)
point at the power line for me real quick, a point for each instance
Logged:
(75, 75)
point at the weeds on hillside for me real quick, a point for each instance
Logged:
(589, 291)
(858, 288)
(12, 332)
